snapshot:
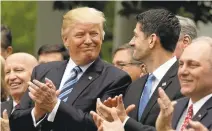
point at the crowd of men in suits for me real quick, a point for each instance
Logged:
(159, 81)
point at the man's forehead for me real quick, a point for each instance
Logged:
(85, 25)
(196, 52)
(17, 61)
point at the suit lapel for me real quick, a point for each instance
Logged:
(164, 83)
(9, 106)
(136, 91)
(178, 111)
(203, 111)
(55, 75)
(91, 74)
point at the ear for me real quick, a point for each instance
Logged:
(152, 40)
(9, 50)
(186, 41)
(65, 41)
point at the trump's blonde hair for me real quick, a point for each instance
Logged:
(82, 15)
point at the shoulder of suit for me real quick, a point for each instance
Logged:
(115, 70)
(51, 64)
(5, 103)
(182, 100)
(139, 80)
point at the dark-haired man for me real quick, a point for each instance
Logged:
(6, 41)
(155, 37)
(49, 52)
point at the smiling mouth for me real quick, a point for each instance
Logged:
(185, 81)
(14, 85)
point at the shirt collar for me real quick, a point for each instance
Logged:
(71, 64)
(161, 70)
(14, 104)
(197, 105)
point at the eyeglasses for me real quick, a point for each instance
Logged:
(122, 65)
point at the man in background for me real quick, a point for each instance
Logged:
(50, 52)
(18, 70)
(123, 59)
(187, 34)
(6, 41)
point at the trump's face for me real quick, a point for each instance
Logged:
(195, 71)
(84, 42)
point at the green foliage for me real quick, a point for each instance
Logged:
(107, 44)
(20, 17)
(197, 10)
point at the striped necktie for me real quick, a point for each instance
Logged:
(68, 85)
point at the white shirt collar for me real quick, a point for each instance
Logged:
(71, 65)
(197, 105)
(162, 70)
(14, 104)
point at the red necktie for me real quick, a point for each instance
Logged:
(187, 118)
(17, 106)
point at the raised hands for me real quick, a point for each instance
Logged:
(196, 126)
(104, 110)
(44, 95)
(164, 119)
(103, 125)
(5, 126)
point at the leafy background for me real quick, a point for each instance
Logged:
(21, 17)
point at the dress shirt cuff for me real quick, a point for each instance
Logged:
(33, 119)
(125, 121)
(54, 111)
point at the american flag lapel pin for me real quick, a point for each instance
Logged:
(90, 77)
(164, 84)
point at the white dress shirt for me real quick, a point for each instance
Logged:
(14, 104)
(196, 107)
(65, 77)
(159, 73)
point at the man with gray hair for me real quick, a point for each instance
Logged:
(195, 79)
(187, 34)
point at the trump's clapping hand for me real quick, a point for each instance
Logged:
(44, 95)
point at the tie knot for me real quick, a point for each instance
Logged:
(151, 77)
(17, 106)
(77, 69)
(190, 109)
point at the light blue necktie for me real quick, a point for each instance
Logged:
(68, 85)
(145, 95)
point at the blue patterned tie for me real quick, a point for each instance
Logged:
(68, 85)
(146, 95)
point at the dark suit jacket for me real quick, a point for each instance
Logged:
(204, 115)
(7, 105)
(151, 112)
(107, 81)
